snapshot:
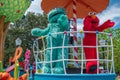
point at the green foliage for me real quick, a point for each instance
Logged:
(22, 29)
(116, 45)
(13, 9)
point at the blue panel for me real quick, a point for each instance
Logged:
(21, 72)
(75, 77)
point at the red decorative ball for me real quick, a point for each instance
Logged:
(18, 11)
(110, 35)
(65, 32)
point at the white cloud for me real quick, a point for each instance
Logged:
(79, 26)
(35, 7)
(112, 13)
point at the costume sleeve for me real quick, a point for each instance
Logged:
(105, 25)
(40, 32)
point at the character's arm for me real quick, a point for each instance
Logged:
(105, 25)
(63, 22)
(39, 32)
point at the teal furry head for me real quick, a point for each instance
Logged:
(54, 14)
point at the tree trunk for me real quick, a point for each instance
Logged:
(3, 32)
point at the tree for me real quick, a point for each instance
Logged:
(22, 28)
(10, 11)
(116, 46)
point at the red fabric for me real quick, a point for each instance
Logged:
(21, 64)
(5, 77)
(90, 39)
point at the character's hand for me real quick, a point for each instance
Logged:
(63, 21)
(109, 24)
(105, 25)
(36, 32)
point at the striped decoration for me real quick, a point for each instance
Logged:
(74, 23)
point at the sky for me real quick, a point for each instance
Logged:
(111, 12)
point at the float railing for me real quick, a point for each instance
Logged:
(106, 61)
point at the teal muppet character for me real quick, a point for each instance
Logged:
(58, 22)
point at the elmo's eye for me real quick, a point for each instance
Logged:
(94, 13)
(90, 13)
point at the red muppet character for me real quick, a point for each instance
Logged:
(91, 23)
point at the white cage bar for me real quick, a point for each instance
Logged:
(108, 60)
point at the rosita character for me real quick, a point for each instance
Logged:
(58, 22)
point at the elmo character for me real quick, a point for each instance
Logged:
(91, 23)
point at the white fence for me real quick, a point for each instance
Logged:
(105, 53)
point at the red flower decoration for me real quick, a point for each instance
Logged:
(18, 11)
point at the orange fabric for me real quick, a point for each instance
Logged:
(23, 77)
(18, 54)
(83, 6)
(6, 76)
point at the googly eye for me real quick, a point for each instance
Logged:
(90, 13)
(94, 13)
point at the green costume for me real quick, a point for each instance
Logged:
(58, 22)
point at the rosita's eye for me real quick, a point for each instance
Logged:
(90, 13)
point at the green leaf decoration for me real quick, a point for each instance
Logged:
(13, 9)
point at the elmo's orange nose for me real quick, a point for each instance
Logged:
(93, 16)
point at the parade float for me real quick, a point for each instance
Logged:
(52, 61)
